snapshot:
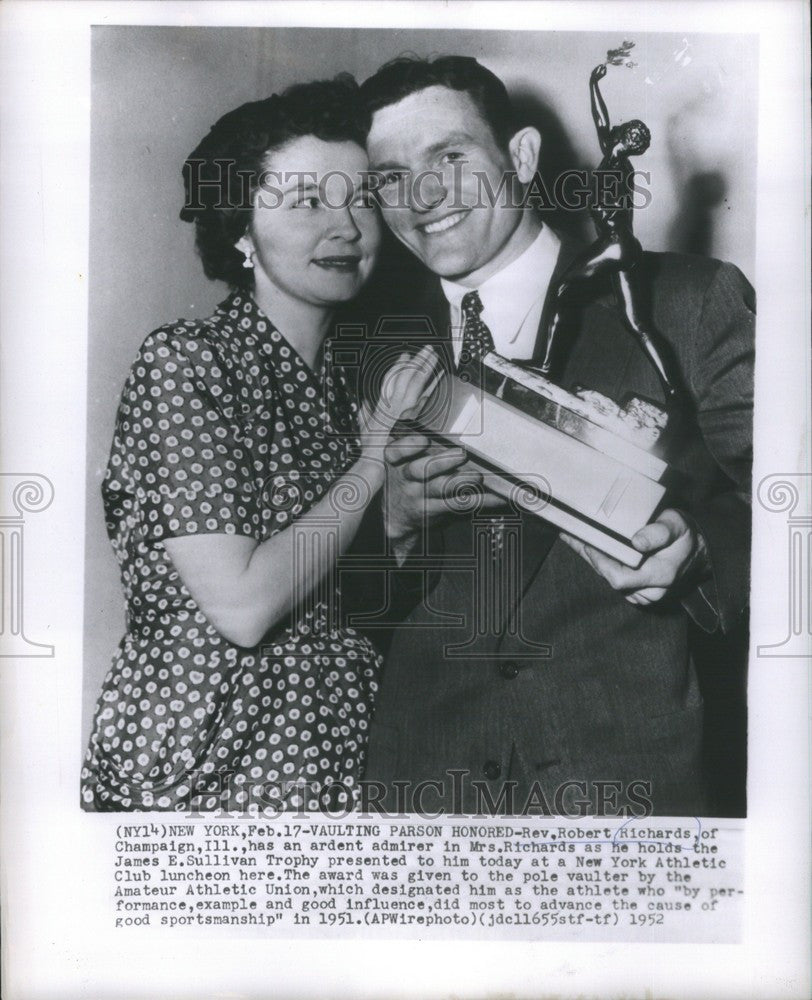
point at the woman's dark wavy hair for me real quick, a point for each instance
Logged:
(407, 74)
(222, 174)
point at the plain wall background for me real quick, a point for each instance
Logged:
(156, 91)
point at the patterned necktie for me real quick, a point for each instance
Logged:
(476, 337)
(477, 341)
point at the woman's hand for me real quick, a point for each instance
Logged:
(599, 72)
(406, 386)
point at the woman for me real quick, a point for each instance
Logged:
(236, 443)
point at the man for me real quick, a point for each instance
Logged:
(585, 695)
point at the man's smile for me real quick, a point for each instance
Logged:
(441, 225)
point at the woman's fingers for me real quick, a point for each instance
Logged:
(407, 380)
(425, 373)
(414, 375)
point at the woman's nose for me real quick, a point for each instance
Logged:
(343, 225)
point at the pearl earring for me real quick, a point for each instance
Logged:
(249, 258)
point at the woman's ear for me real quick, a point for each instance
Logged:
(525, 147)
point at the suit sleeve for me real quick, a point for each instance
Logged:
(721, 381)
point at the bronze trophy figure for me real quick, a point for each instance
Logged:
(616, 251)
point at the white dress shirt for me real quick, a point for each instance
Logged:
(512, 299)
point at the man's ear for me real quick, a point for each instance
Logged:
(525, 147)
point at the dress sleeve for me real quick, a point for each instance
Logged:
(181, 446)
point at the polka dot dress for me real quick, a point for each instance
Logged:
(223, 428)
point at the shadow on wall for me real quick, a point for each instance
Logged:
(557, 156)
(698, 200)
(701, 142)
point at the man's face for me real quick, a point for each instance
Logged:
(439, 159)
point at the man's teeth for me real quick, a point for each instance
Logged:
(443, 224)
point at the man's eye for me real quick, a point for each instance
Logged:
(393, 177)
(453, 157)
(310, 202)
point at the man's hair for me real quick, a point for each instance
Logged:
(222, 174)
(408, 74)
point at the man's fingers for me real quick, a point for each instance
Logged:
(616, 574)
(574, 543)
(668, 527)
(653, 537)
(668, 544)
(651, 573)
(405, 448)
(428, 467)
(460, 495)
(649, 595)
(491, 501)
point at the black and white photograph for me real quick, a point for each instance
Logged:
(404, 413)
(380, 214)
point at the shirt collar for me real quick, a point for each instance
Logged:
(509, 295)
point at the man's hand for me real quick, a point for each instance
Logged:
(426, 482)
(673, 547)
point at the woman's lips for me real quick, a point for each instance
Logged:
(338, 263)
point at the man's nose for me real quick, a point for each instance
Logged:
(427, 192)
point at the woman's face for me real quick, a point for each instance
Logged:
(314, 232)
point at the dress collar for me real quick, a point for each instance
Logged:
(252, 328)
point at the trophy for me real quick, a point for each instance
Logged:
(578, 460)
(616, 252)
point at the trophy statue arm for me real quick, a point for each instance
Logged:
(600, 113)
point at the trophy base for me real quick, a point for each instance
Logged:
(578, 473)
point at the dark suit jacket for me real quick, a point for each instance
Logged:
(580, 685)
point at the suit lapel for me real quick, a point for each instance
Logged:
(538, 536)
(567, 252)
